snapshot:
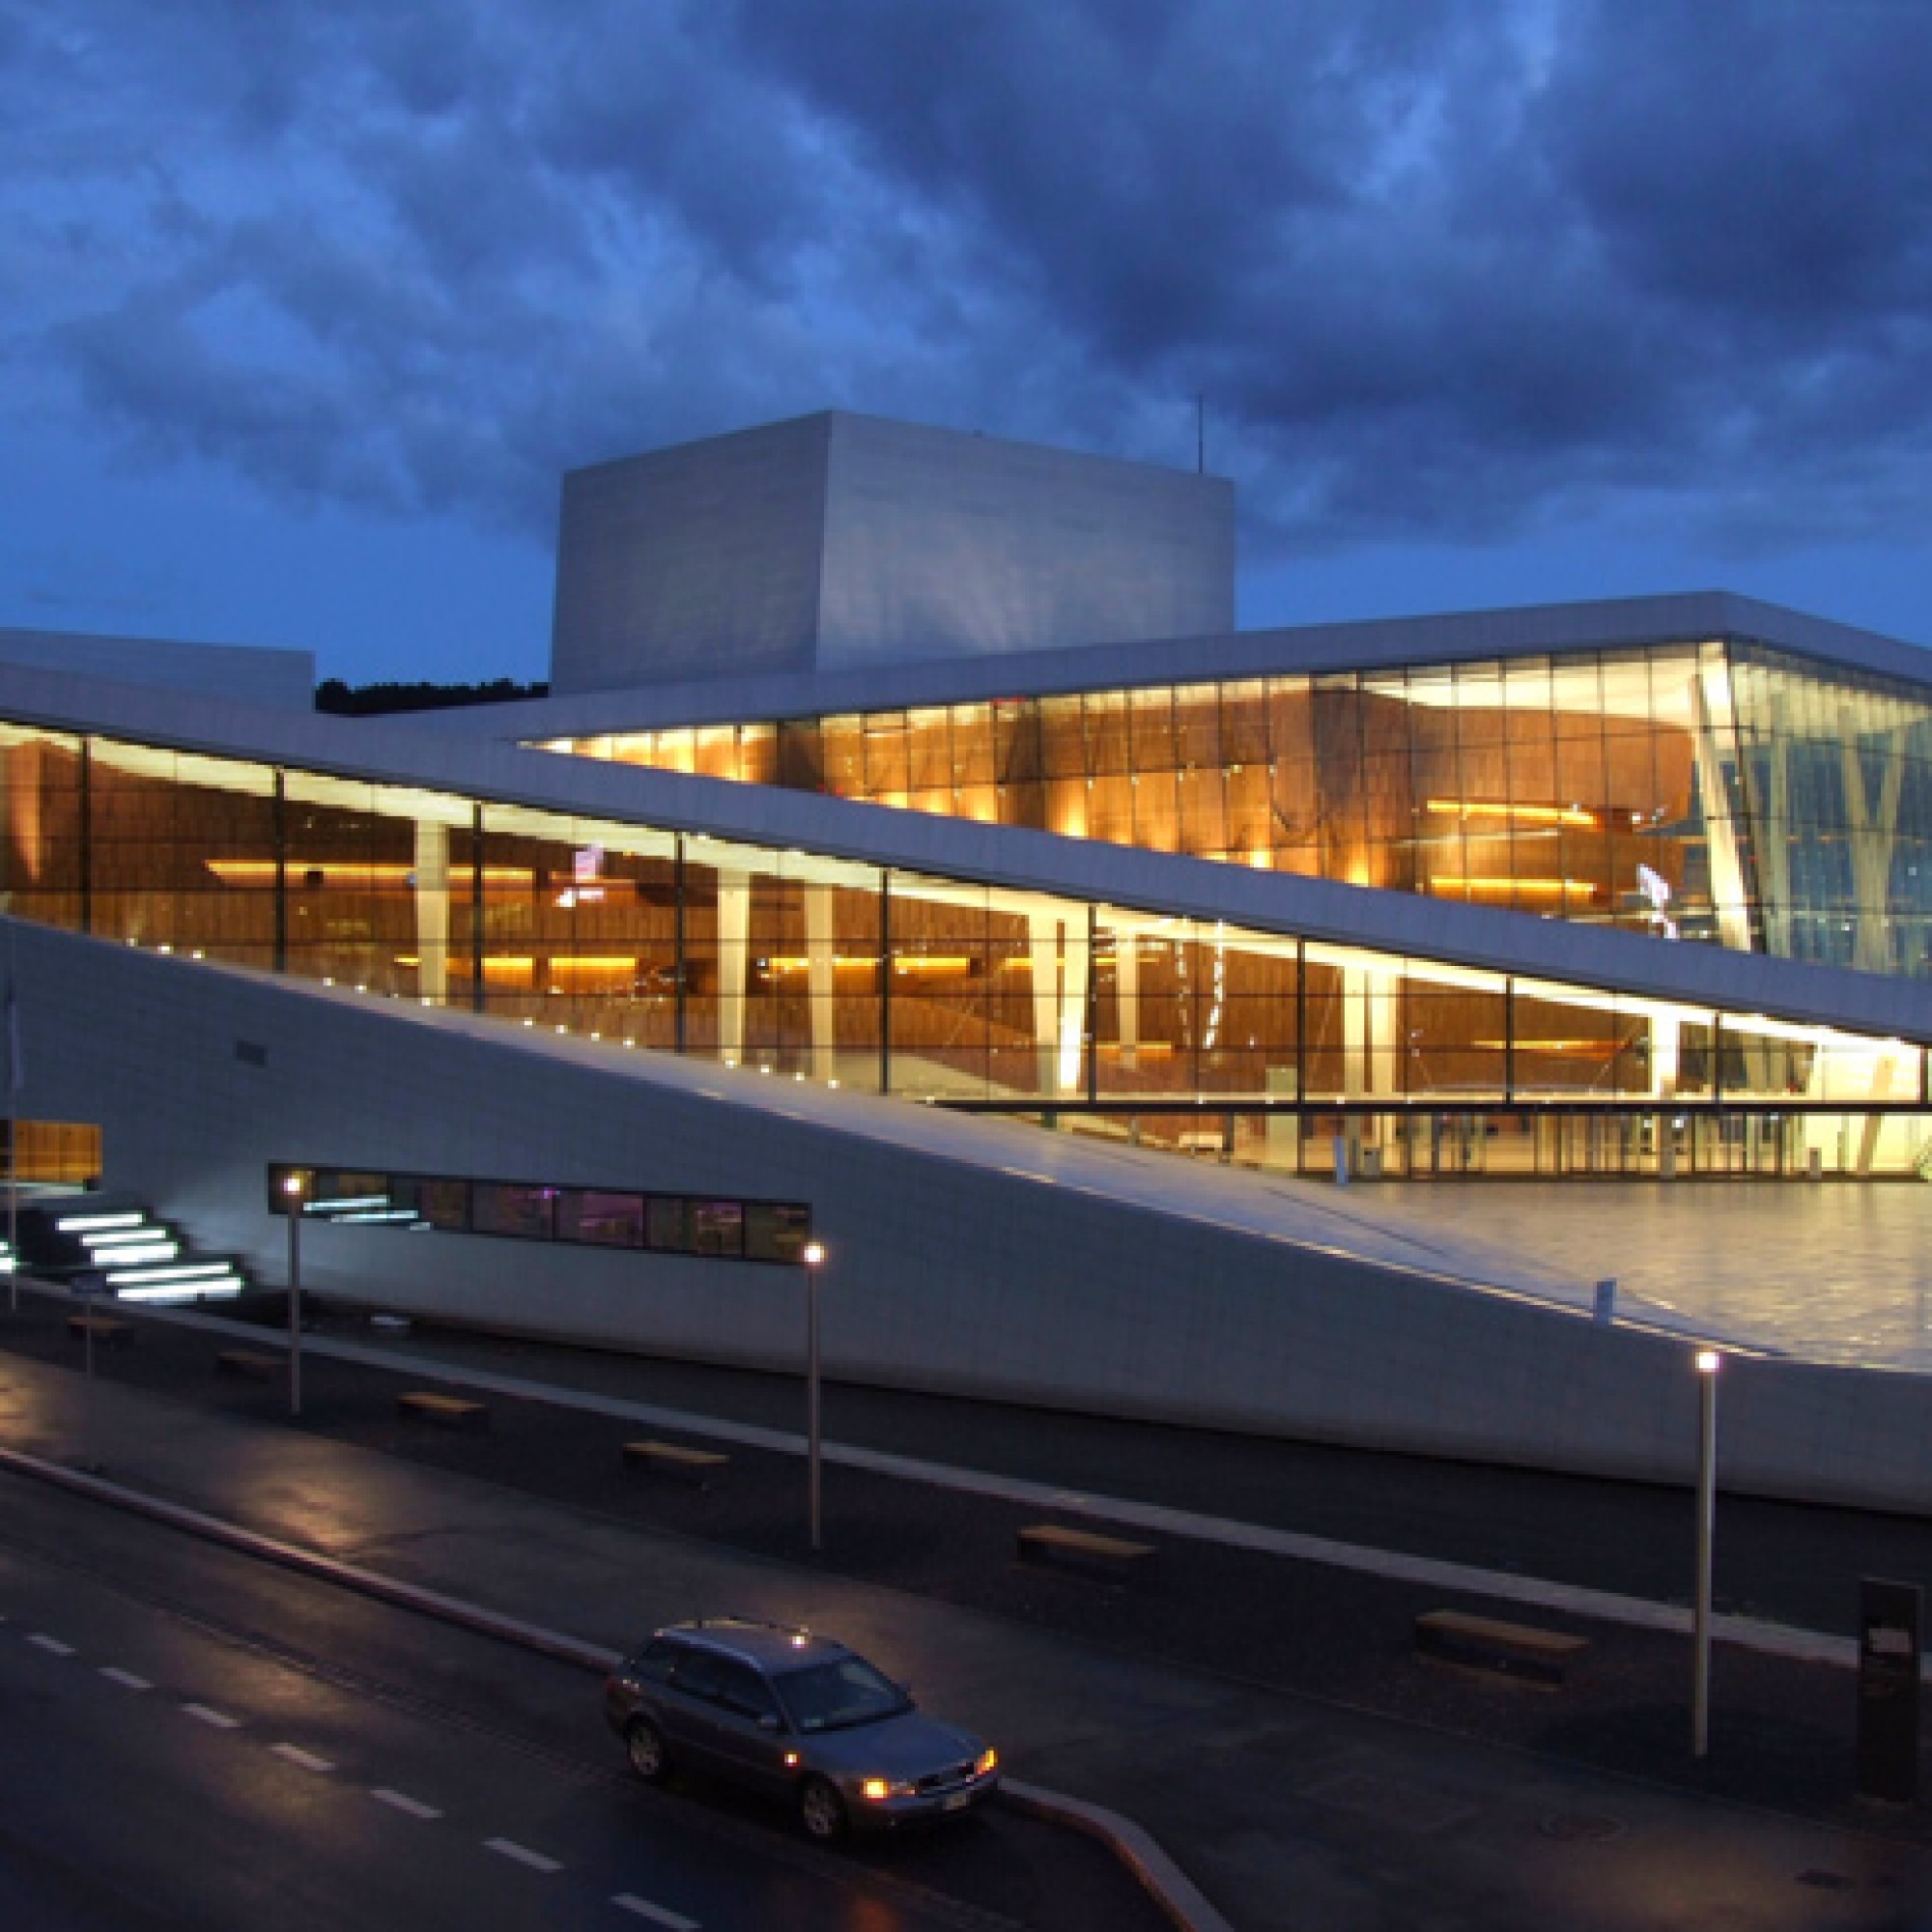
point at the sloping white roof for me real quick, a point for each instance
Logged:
(1458, 637)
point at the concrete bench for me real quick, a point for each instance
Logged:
(250, 1362)
(1084, 1549)
(674, 1459)
(1539, 1657)
(452, 1411)
(109, 1331)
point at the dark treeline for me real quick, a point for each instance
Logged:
(369, 700)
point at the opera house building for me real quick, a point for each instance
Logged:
(911, 851)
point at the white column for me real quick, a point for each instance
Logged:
(432, 895)
(1128, 996)
(1665, 1055)
(734, 925)
(821, 981)
(1059, 995)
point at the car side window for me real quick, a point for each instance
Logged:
(654, 1661)
(697, 1674)
(743, 1692)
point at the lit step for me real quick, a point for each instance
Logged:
(134, 1277)
(209, 1289)
(90, 1224)
(123, 1253)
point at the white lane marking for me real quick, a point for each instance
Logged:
(220, 1719)
(403, 1801)
(52, 1643)
(629, 1901)
(127, 1679)
(522, 1854)
(307, 1760)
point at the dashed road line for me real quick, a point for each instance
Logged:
(127, 1679)
(220, 1719)
(522, 1854)
(401, 1801)
(43, 1641)
(629, 1901)
(307, 1759)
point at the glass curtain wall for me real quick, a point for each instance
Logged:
(1724, 793)
(1194, 1034)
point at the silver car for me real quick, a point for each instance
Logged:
(796, 1716)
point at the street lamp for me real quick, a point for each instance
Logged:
(293, 1185)
(813, 1255)
(1707, 1364)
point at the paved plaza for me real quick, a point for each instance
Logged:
(1836, 1272)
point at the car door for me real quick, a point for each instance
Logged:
(693, 1720)
(750, 1728)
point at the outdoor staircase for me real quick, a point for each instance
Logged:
(117, 1245)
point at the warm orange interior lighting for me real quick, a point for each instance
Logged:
(1533, 888)
(1533, 814)
(580, 970)
(395, 875)
(1574, 1049)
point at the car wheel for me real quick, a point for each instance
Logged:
(645, 1744)
(821, 1811)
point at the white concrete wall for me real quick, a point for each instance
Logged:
(947, 1273)
(847, 541)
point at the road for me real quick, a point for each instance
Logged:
(196, 1739)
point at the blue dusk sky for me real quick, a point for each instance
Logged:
(306, 304)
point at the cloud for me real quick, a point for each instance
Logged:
(1443, 269)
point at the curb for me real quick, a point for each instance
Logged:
(1159, 1877)
(1152, 1868)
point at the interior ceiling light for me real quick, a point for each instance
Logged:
(1532, 814)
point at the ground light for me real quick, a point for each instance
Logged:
(1707, 1363)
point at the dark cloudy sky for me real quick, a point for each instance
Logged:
(306, 304)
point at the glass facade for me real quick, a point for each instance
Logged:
(1715, 792)
(1261, 1046)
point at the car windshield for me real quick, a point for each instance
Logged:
(848, 1690)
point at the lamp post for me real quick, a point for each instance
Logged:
(1707, 1364)
(294, 1187)
(813, 1258)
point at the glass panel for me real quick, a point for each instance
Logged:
(718, 1227)
(605, 1221)
(667, 1224)
(511, 1208)
(776, 1231)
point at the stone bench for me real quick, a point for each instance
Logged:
(697, 1466)
(249, 1362)
(1539, 1657)
(109, 1331)
(451, 1411)
(1083, 1548)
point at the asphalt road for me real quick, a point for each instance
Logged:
(193, 1739)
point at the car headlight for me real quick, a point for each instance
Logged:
(879, 1789)
(987, 1760)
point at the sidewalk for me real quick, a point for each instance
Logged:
(1261, 1716)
